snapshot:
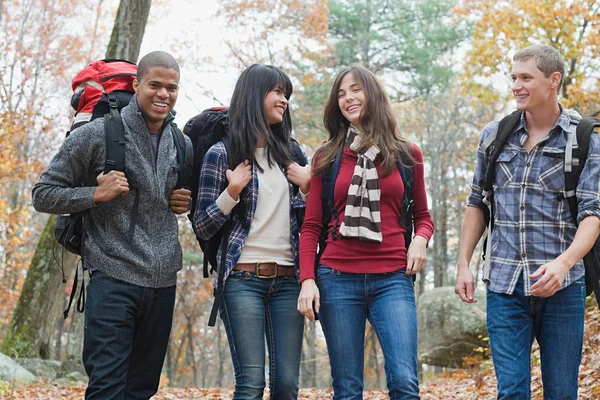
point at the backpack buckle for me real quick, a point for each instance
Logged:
(112, 101)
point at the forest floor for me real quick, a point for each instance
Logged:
(474, 383)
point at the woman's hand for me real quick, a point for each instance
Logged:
(416, 255)
(238, 178)
(309, 295)
(299, 176)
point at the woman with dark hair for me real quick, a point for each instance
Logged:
(261, 265)
(365, 272)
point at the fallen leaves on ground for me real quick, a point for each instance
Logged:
(475, 383)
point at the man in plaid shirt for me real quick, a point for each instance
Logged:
(535, 282)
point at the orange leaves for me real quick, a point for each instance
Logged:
(43, 42)
(501, 28)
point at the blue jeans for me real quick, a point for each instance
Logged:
(557, 324)
(388, 302)
(126, 334)
(252, 309)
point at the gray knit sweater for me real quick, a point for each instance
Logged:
(151, 256)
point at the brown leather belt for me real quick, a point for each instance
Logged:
(266, 270)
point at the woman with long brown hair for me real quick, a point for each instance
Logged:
(365, 271)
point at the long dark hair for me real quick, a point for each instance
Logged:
(248, 120)
(377, 123)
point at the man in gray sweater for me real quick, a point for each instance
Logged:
(133, 252)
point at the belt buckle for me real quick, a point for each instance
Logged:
(257, 273)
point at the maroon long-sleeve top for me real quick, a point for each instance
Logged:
(361, 256)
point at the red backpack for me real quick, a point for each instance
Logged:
(93, 85)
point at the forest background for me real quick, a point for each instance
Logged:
(445, 64)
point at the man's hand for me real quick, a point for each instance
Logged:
(465, 286)
(110, 186)
(552, 276)
(416, 255)
(299, 175)
(309, 295)
(180, 200)
(238, 178)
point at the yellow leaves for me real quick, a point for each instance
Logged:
(501, 28)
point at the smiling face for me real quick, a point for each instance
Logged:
(531, 88)
(275, 105)
(351, 98)
(156, 95)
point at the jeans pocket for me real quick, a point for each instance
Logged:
(324, 273)
(239, 276)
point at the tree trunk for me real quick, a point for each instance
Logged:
(128, 31)
(311, 366)
(309, 355)
(191, 357)
(34, 319)
(169, 364)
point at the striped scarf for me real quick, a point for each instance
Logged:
(362, 217)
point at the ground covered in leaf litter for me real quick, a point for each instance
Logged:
(474, 383)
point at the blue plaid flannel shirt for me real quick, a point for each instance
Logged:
(532, 223)
(209, 219)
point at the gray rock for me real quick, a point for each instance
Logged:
(41, 368)
(448, 328)
(73, 377)
(71, 364)
(11, 371)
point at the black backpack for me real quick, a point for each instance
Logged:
(329, 176)
(585, 128)
(204, 130)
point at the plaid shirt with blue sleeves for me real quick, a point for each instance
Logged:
(209, 219)
(532, 223)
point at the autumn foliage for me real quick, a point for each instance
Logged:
(37, 60)
(501, 28)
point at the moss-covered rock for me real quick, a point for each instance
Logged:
(448, 328)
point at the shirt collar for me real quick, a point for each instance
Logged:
(563, 121)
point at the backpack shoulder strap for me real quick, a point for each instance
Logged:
(577, 150)
(297, 154)
(583, 132)
(492, 146)
(328, 178)
(405, 166)
(506, 126)
(179, 142)
(114, 133)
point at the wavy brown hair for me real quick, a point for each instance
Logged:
(377, 123)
